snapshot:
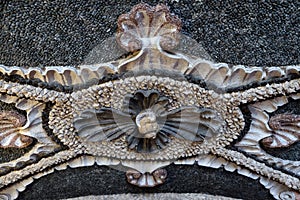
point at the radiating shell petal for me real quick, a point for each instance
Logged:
(286, 131)
(10, 135)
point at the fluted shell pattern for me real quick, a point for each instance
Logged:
(188, 123)
(10, 122)
(147, 26)
(286, 131)
(64, 75)
(279, 130)
(223, 76)
(28, 128)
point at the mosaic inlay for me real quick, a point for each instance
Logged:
(153, 108)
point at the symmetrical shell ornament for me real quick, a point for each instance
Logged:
(147, 123)
(154, 108)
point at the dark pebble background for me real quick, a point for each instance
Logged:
(47, 33)
(97, 180)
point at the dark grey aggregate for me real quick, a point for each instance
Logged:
(45, 33)
(96, 180)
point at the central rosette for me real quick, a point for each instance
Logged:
(148, 121)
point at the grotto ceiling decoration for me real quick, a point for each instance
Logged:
(154, 107)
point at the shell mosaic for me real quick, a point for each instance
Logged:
(151, 109)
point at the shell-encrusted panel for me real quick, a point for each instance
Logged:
(180, 119)
(22, 127)
(155, 107)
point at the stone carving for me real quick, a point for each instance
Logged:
(149, 110)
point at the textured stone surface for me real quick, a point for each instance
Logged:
(172, 196)
(98, 180)
(43, 33)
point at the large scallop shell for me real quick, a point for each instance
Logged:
(286, 131)
(10, 136)
(145, 26)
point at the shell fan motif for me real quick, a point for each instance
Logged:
(148, 27)
(156, 107)
(286, 131)
(146, 122)
(10, 135)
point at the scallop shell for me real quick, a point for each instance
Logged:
(261, 132)
(105, 124)
(150, 31)
(286, 131)
(10, 136)
(33, 127)
(147, 179)
(145, 26)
